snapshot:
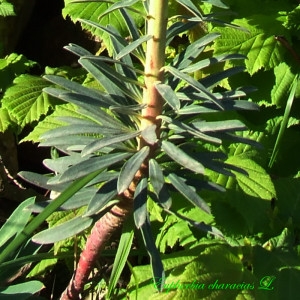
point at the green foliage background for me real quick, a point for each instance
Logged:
(259, 213)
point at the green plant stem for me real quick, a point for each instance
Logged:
(155, 61)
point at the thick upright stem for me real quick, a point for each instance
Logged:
(155, 60)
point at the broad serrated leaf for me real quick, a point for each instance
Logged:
(6, 9)
(258, 183)
(158, 183)
(130, 168)
(6, 120)
(52, 121)
(62, 231)
(92, 11)
(283, 81)
(182, 158)
(258, 44)
(188, 192)
(26, 101)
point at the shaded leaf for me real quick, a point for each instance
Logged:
(88, 166)
(62, 231)
(130, 168)
(188, 192)
(158, 182)
(182, 158)
(106, 193)
(140, 203)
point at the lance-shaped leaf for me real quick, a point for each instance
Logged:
(130, 168)
(91, 106)
(81, 198)
(89, 166)
(225, 125)
(211, 61)
(189, 5)
(196, 85)
(96, 96)
(106, 193)
(169, 95)
(98, 144)
(140, 203)
(182, 158)
(185, 58)
(63, 231)
(188, 192)
(180, 127)
(155, 260)
(112, 81)
(121, 257)
(213, 79)
(158, 183)
(132, 46)
(77, 50)
(121, 4)
(16, 222)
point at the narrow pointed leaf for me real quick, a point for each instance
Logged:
(210, 61)
(155, 260)
(40, 218)
(226, 125)
(106, 193)
(158, 182)
(62, 231)
(16, 222)
(182, 158)
(169, 95)
(97, 145)
(120, 259)
(189, 5)
(77, 50)
(88, 166)
(118, 5)
(130, 168)
(196, 85)
(132, 46)
(140, 203)
(188, 192)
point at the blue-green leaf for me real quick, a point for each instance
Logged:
(158, 182)
(188, 192)
(106, 193)
(88, 166)
(169, 95)
(182, 158)
(23, 290)
(155, 260)
(140, 203)
(62, 231)
(16, 222)
(130, 168)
